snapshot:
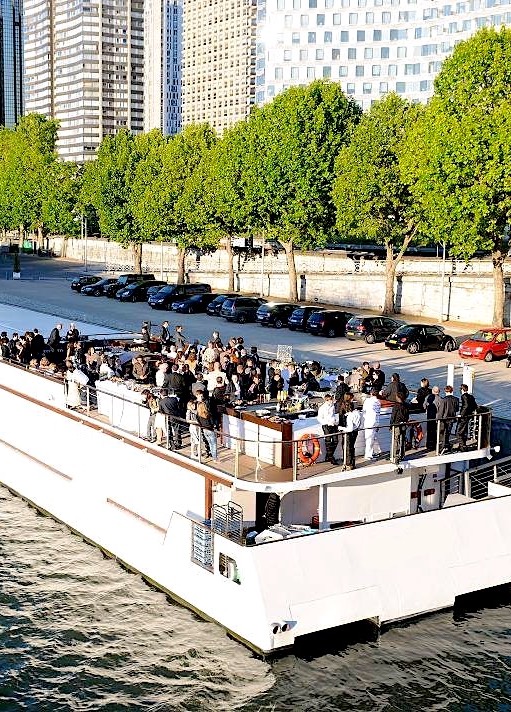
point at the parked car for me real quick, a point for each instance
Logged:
(96, 289)
(420, 337)
(371, 328)
(137, 291)
(241, 309)
(214, 307)
(170, 293)
(275, 314)
(299, 317)
(194, 305)
(155, 289)
(486, 344)
(83, 281)
(123, 280)
(328, 322)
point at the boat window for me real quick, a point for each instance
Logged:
(228, 568)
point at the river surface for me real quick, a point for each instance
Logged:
(78, 632)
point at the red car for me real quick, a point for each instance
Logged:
(486, 344)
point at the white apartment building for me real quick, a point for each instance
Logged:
(370, 46)
(163, 28)
(84, 67)
(218, 61)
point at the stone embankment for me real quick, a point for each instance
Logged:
(425, 287)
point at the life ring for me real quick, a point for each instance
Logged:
(305, 442)
(418, 432)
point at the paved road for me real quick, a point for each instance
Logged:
(54, 296)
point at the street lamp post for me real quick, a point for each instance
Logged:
(84, 238)
(262, 268)
(442, 284)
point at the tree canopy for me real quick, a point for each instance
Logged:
(372, 200)
(457, 158)
(289, 167)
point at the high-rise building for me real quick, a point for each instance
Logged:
(84, 67)
(371, 47)
(219, 56)
(163, 28)
(11, 62)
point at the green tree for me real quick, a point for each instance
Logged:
(157, 209)
(225, 194)
(59, 210)
(27, 163)
(372, 200)
(457, 160)
(289, 166)
(107, 187)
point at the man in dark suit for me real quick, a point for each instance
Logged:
(54, 337)
(467, 409)
(169, 406)
(446, 412)
(37, 345)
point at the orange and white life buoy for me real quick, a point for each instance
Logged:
(308, 448)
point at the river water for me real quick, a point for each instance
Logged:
(78, 632)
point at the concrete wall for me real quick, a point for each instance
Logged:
(328, 277)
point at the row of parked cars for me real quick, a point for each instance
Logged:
(486, 344)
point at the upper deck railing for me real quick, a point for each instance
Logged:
(269, 458)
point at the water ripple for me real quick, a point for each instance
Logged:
(78, 633)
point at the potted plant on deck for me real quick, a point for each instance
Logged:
(16, 268)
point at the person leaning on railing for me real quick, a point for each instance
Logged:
(206, 423)
(467, 409)
(398, 421)
(446, 413)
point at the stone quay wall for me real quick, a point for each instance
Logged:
(324, 277)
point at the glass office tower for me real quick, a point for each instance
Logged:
(11, 63)
(371, 47)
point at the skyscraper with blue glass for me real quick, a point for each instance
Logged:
(11, 62)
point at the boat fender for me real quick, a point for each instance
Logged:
(308, 448)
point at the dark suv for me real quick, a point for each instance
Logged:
(123, 280)
(137, 291)
(328, 322)
(241, 309)
(274, 314)
(170, 293)
(299, 318)
(371, 328)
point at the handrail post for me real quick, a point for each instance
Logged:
(236, 460)
(344, 449)
(87, 391)
(438, 423)
(294, 455)
(480, 431)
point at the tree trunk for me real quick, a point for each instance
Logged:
(230, 266)
(137, 257)
(40, 234)
(390, 278)
(498, 288)
(181, 254)
(290, 256)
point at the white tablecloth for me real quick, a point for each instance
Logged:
(122, 406)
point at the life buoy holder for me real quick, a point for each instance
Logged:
(308, 449)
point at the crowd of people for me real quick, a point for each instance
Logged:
(186, 384)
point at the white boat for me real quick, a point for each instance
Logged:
(393, 539)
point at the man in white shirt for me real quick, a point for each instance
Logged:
(353, 423)
(329, 421)
(371, 415)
